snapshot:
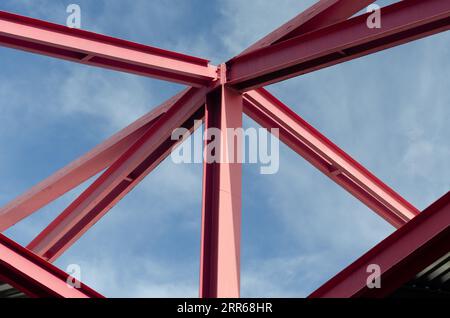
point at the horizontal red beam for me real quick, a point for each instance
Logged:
(120, 178)
(81, 169)
(269, 112)
(402, 22)
(401, 256)
(323, 13)
(89, 48)
(34, 276)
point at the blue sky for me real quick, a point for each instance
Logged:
(390, 111)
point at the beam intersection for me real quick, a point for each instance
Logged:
(325, 34)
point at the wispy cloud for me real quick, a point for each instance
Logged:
(389, 111)
(244, 22)
(116, 100)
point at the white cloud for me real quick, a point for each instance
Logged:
(244, 22)
(143, 277)
(356, 105)
(117, 99)
(281, 276)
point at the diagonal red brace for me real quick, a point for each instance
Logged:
(319, 37)
(143, 156)
(34, 276)
(323, 13)
(80, 170)
(400, 256)
(402, 22)
(269, 112)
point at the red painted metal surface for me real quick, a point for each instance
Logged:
(80, 170)
(34, 276)
(317, 38)
(139, 160)
(222, 196)
(102, 51)
(402, 255)
(402, 22)
(323, 13)
(269, 112)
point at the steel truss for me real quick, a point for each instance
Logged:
(321, 36)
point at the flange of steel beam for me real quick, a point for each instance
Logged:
(222, 197)
(402, 22)
(322, 14)
(94, 49)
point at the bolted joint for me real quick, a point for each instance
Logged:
(222, 74)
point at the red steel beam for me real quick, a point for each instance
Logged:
(402, 22)
(290, 52)
(304, 139)
(120, 178)
(221, 205)
(34, 276)
(401, 256)
(89, 48)
(81, 169)
(323, 13)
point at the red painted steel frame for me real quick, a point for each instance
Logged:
(269, 112)
(99, 50)
(138, 161)
(402, 22)
(221, 206)
(319, 37)
(80, 170)
(34, 276)
(321, 14)
(400, 256)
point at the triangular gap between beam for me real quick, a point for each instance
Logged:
(270, 112)
(120, 178)
(81, 169)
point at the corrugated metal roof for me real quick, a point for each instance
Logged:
(433, 281)
(414, 259)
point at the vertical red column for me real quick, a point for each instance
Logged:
(222, 188)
